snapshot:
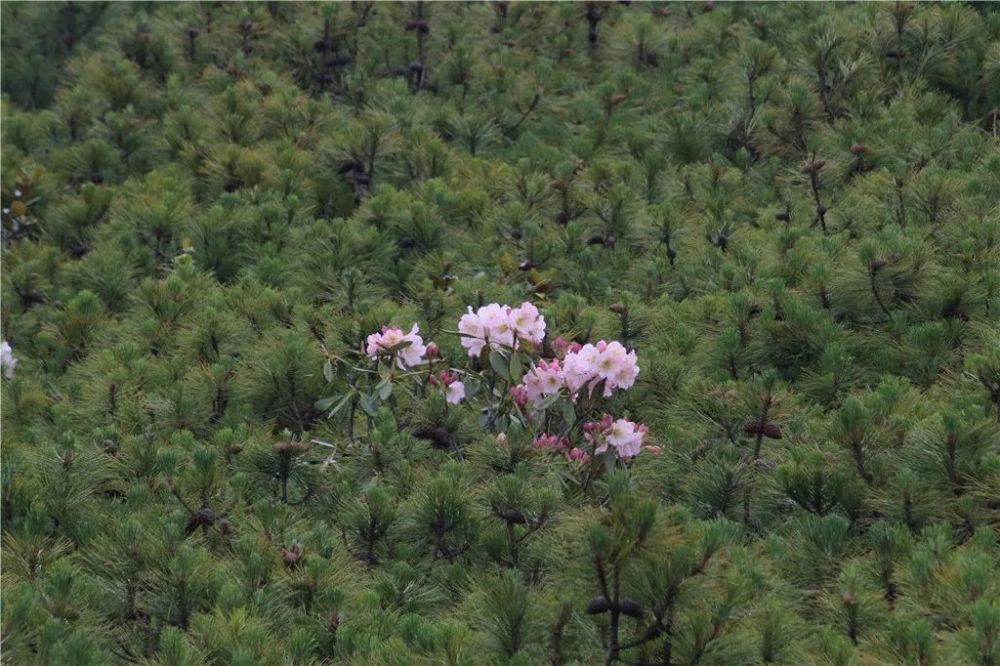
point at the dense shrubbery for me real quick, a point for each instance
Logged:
(223, 443)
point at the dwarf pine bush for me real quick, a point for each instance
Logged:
(500, 333)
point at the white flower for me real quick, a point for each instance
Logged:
(7, 360)
(454, 392)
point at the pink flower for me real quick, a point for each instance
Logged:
(625, 437)
(519, 394)
(607, 362)
(528, 323)
(414, 354)
(578, 368)
(379, 344)
(454, 392)
(654, 450)
(545, 441)
(578, 454)
(542, 380)
(563, 347)
(592, 428)
(7, 360)
(500, 327)
(473, 333)
(610, 356)
(496, 322)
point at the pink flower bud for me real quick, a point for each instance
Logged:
(560, 345)
(519, 394)
(546, 441)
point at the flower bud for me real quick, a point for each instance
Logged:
(292, 556)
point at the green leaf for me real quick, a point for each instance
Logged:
(385, 389)
(340, 405)
(328, 372)
(499, 364)
(548, 401)
(609, 461)
(516, 367)
(399, 346)
(369, 404)
(324, 403)
(568, 412)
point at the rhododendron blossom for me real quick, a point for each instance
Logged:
(563, 347)
(7, 360)
(528, 323)
(500, 327)
(609, 362)
(473, 333)
(583, 367)
(578, 454)
(622, 435)
(519, 394)
(545, 441)
(544, 379)
(379, 344)
(495, 319)
(454, 390)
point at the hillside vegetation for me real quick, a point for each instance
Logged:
(501, 333)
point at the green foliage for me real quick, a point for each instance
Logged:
(791, 213)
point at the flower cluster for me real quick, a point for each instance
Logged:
(563, 346)
(519, 394)
(389, 342)
(624, 436)
(562, 445)
(501, 326)
(590, 365)
(545, 441)
(454, 390)
(544, 379)
(7, 360)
